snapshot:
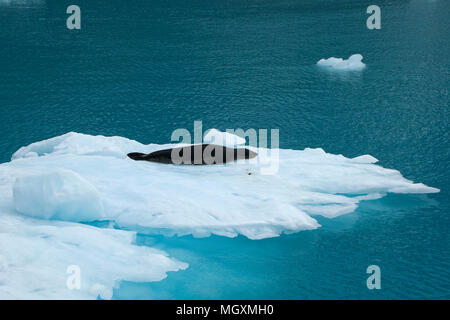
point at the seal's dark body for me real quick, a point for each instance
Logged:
(195, 154)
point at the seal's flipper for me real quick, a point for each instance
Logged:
(136, 156)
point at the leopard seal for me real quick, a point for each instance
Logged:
(201, 154)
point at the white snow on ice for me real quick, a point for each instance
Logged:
(215, 136)
(354, 62)
(77, 177)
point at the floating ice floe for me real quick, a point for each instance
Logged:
(354, 62)
(77, 177)
(225, 200)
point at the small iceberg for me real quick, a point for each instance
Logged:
(354, 62)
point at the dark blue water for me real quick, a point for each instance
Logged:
(141, 69)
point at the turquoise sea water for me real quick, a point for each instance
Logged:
(141, 69)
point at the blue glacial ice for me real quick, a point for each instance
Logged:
(77, 177)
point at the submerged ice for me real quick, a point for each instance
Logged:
(82, 178)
